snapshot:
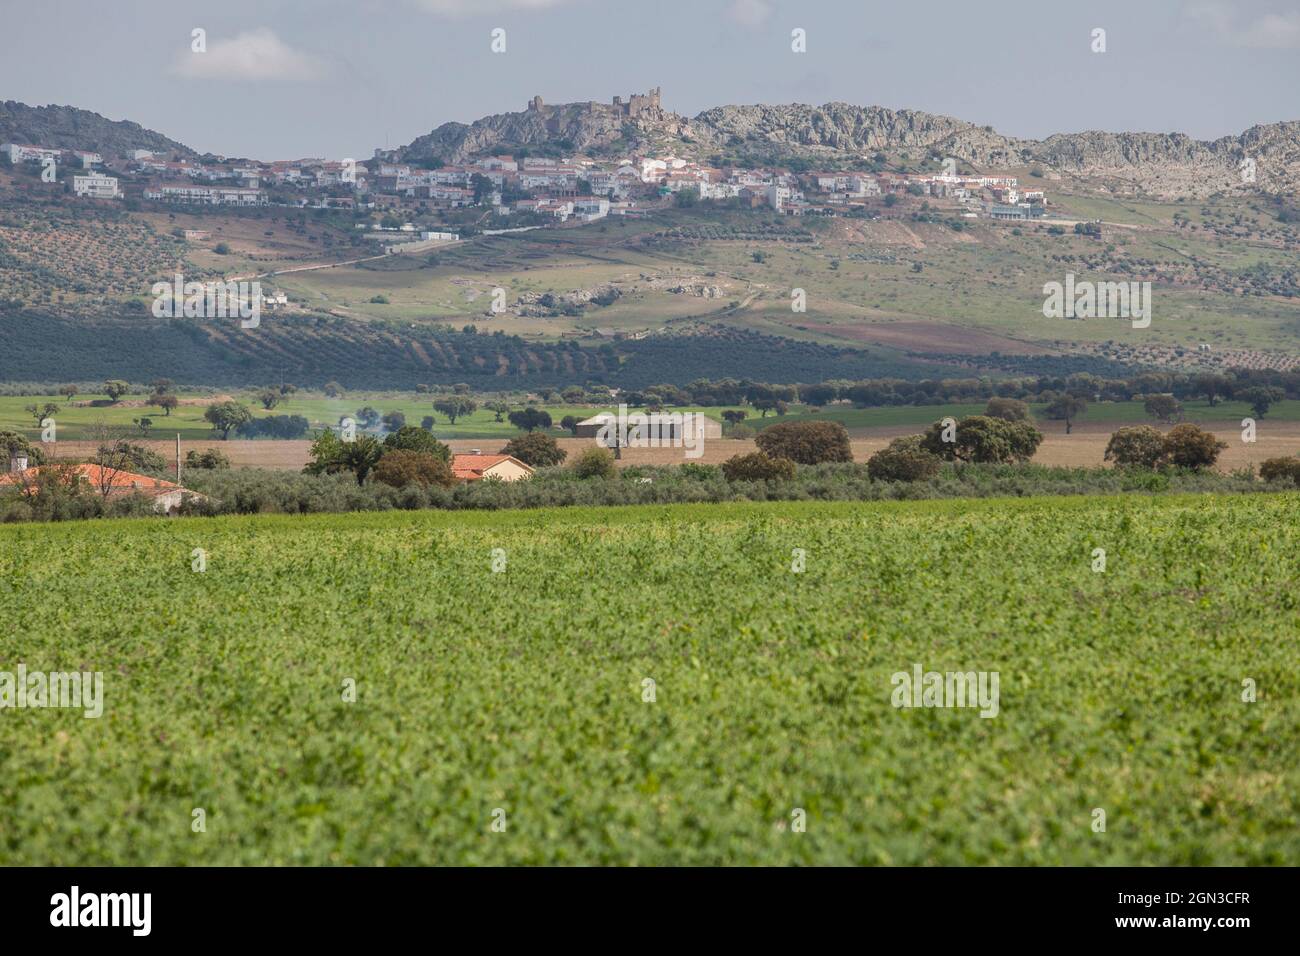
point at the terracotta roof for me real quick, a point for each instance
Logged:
(472, 467)
(117, 483)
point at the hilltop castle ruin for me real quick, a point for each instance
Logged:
(632, 107)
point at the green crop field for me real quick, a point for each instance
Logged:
(519, 695)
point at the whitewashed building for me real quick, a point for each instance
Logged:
(96, 186)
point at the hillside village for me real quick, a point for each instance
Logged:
(510, 190)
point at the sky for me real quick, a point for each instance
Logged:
(297, 78)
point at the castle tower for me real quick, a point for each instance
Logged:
(535, 104)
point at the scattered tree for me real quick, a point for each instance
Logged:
(331, 455)
(165, 402)
(1065, 408)
(225, 416)
(1163, 408)
(410, 438)
(1136, 446)
(1212, 386)
(979, 438)
(115, 388)
(455, 406)
(1260, 398)
(1007, 409)
(13, 445)
(530, 419)
(535, 448)
(400, 467)
(1187, 446)
(41, 411)
(806, 443)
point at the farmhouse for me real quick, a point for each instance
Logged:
(653, 429)
(476, 467)
(111, 483)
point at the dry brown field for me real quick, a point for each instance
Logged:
(1086, 446)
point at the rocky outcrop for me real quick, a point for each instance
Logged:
(581, 127)
(67, 127)
(843, 128)
(1170, 164)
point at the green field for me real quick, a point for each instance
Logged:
(522, 691)
(81, 420)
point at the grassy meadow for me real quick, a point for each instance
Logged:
(523, 690)
(80, 420)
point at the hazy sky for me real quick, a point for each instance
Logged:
(293, 78)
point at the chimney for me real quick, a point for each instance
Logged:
(17, 463)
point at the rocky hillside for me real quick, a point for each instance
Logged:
(582, 127)
(842, 129)
(1168, 164)
(1172, 164)
(70, 128)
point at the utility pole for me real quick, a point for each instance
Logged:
(178, 458)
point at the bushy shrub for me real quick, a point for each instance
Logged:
(904, 460)
(758, 466)
(535, 448)
(399, 468)
(806, 443)
(594, 463)
(1281, 469)
(697, 471)
(1136, 446)
(1187, 446)
(210, 459)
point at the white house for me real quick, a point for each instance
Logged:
(19, 153)
(208, 195)
(588, 208)
(96, 186)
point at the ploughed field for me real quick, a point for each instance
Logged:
(519, 696)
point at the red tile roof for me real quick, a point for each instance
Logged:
(472, 467)
(100, 478)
